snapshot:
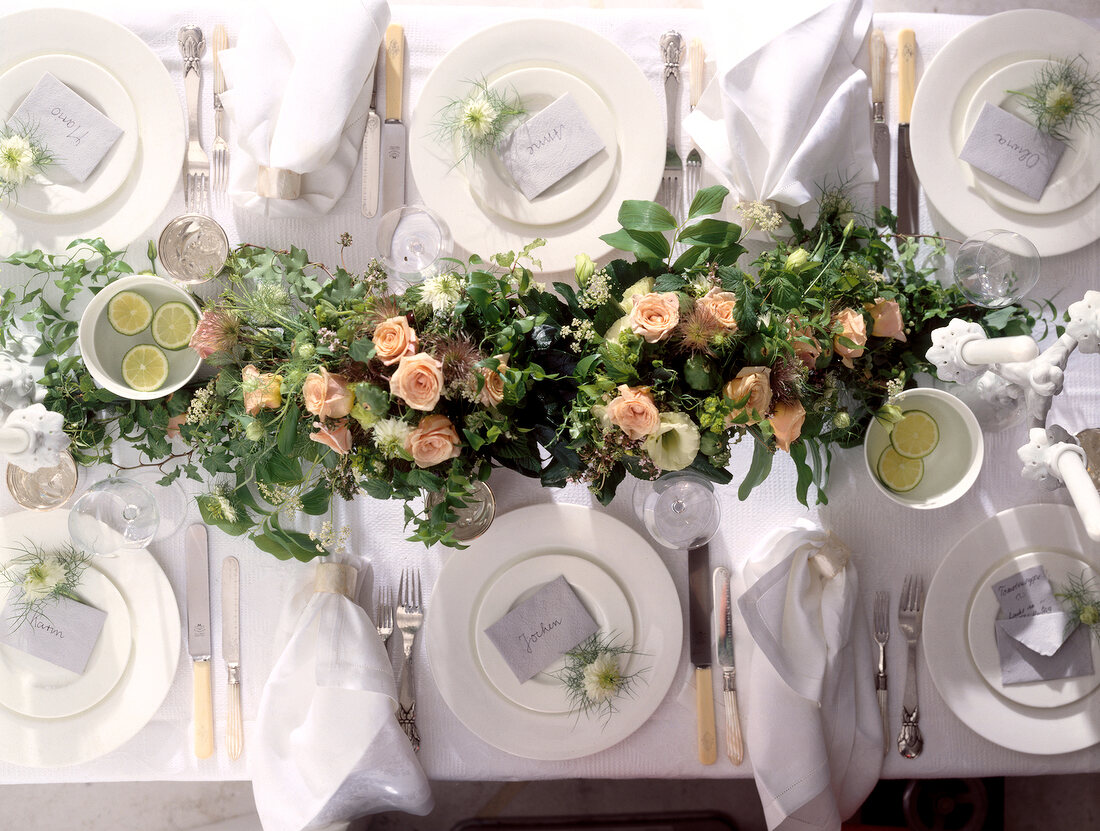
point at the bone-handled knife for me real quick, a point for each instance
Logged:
(393, 131)
(723, 639)
(699, 640)
(372, 145)
(880, 132)
(231, 654)
(908, 194)
(198, 636)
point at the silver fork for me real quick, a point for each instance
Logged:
(671, 193)
(220, 149)
(383, 617)
(693, 164)
(410, 616)
(882, 635)
(910, 611)
(196, 165)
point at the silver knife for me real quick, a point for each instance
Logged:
(198, 635)
(723, 622)
(880, 133)
(908, 195)
(393, 131)
(231, 654)
(371, 148)
(699, 641)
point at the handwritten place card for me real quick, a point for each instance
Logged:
(1010, 149)
(541, 629)
(549, 146)
(76, 133)
(65, 635)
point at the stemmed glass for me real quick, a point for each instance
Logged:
(680, 510)
(996, 268)
(113, 514)
(411, 240)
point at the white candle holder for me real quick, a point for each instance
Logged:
(33, 438)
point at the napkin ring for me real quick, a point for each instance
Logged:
(337, 578)
(831, 558)
(278, 183)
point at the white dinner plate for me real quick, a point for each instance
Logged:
(1041, 731)
(553, 44)
(944, 93)
(450, 630)
(37, 688)
(145, 192)
(492, 184)
(55, 192)
(985, 610)
(595, 588)
(135, 699)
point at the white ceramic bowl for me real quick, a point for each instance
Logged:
(103, 348)
(952, 467)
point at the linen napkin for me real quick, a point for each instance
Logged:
(328, 747)
(297, 97)
(789, 112)
(813, 729)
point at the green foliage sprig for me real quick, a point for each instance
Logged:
(594, 675)
(41, 577)
(1063, 96)
(479, 120)
(1083, 597)
(22, 154)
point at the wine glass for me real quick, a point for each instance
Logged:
(996, 268)
(113, 514)
(680, 510)
(411, 240)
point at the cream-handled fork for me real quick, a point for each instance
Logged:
(196, 165)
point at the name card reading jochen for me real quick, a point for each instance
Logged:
(64, 634)
(1011, 150)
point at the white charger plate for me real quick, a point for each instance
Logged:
(604, 67)
(1041, 731)
(451, 635)
(153, 178)
(55, 192)
(135, 699)
(944, 93)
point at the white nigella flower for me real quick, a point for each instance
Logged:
(389, 436)
(43, 578)
(16, 159)
(441, 292)
(478, 115)
(603, 678)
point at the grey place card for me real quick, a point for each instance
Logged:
(541, 629)
(549, 145)
(1021, 664)
(64, 635)
(1010, 149)
(76, 133)
(1025, 593)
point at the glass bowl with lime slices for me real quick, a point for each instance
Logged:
(134, 337)
(931, 456)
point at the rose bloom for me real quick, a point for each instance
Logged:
(326, 394)
(854, 328)
(432, 441)
(418, 381)
(337, 438)
(720, 304)
(261, 389)
(807, 352)
(492, 391)
(634, 412)
(393, 339)
(786, 421)
(886, 318)
(655, 315)
(755, 383)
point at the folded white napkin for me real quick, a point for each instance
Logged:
(789, 112)
(813, 729)
(327, 746)
(297, 95)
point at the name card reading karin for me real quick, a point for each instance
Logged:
(64, 635)
(541, 629)
(1011, 150)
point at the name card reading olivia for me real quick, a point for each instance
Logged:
(549, 146)
(541, 629)
(75, 132)
(65, 635)
(1010, 149)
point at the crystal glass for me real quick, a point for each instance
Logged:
(193, 248)
(996, 268)
(411, 240)
(680, 510)
(473, 520)
(173, 503)
(114, 514)
(45, 489)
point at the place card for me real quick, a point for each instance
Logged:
(64, 634)
(1026, 593)
(549, 146)
(1013, 151)
(75, 132)
(541, 629)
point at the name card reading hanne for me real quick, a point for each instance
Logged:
(1010, 149)
(64, 635)
(541, 629)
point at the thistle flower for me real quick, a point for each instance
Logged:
(458, 354)
(787, 380)
(1064, 96)
(217, 331)
(698, 330)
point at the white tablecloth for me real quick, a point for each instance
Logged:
(888, 541)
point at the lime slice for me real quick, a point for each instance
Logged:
(916, 435)
(129, 313)
(898, 473)
(173, 325)
(145, 368)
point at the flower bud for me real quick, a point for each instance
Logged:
(1090, 616)
(584, 268)
(254, 431)
(842, 420)
(796, 259)
(306, 350)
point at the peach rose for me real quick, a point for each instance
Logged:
(492, 391)
(753, 386)
(337, 438)
(418, 381)
(261, 389)
(806, 347)
(655, 315)
(720, 304)
(394, 338)
(854, 328)
(326, 394)
(786, 421)
(634, 412)
(432, 441)
(174, 424)
(886, 318)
